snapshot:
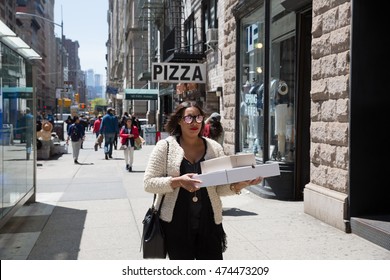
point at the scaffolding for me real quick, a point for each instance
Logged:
(175, 10)
(151, 18)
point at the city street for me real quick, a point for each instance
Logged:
(94, 211)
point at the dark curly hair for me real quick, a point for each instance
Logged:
(216, 128)
(172, 126)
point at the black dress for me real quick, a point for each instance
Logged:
(193, 234)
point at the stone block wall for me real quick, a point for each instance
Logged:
(331, 36)
(230, 75)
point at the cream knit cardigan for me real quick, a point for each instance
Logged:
(160, 170)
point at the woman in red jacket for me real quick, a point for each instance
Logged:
(128, 133)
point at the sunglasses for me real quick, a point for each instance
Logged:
(190, 119)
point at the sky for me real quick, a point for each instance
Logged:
(85, 21)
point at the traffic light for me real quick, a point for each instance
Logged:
(67, 102)
(82, 106)
(77, 97)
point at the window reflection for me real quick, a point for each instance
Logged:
(251, 95)
(16, 129)
(280, 125)
(282, 84)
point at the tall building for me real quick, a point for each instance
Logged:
(90, 76)
(98, 86)
(74, 81)
(94, 84)
(39, 32)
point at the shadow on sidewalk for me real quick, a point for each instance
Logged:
(61, 236)
(60, 230)
(237, 212)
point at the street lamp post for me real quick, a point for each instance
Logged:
(62, 51)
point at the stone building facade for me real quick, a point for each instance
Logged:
(326, 196)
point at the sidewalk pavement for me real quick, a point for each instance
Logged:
(94, 211)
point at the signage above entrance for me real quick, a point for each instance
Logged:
(17, 92)
(141, 94)
(179, 73)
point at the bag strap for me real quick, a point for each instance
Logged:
(166, 174)
(155, 196)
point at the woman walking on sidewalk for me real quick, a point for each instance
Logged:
(128, 133)
(191, 216)
(76, 133)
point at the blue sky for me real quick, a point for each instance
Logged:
(85, 21)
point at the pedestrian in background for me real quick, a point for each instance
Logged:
(96, 129)
(68, 122)
(84, 122)
(109, 128)
(125, 116)
(128, 133)
(115, 141)
(191, 216)
(76, 133)
(29, 121)
(96, 125)
(213, 128)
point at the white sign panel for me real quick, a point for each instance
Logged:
(179, 73)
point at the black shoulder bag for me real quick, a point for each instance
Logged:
(153, 241)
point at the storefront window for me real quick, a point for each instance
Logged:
(16, 129)
(279, 89)
(282, 84)
(251, 83)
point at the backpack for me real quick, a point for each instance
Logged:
(74, 134)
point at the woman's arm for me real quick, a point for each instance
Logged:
(135, 132)
(155, 178)
(123, 133)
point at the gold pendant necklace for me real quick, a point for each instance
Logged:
(195, 198)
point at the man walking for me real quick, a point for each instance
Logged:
(109, 128)
(76, 133)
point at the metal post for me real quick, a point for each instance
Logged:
(62, 69)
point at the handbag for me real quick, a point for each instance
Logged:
(138, 142)
(123, 147)
(99, 139)
(153, 243)
(153, 240)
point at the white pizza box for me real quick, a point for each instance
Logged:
(238, 174)
(227, 162)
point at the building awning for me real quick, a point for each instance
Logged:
(9, 38)
(141, 94)
(17, 92)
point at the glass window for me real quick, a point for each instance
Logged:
(251, 83)
(282, 83)
(16, 129)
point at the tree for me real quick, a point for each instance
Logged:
(99, 105)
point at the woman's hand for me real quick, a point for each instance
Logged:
(237, 187)
(131, 135)
(186, 182)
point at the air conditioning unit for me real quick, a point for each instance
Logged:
(212, 36)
